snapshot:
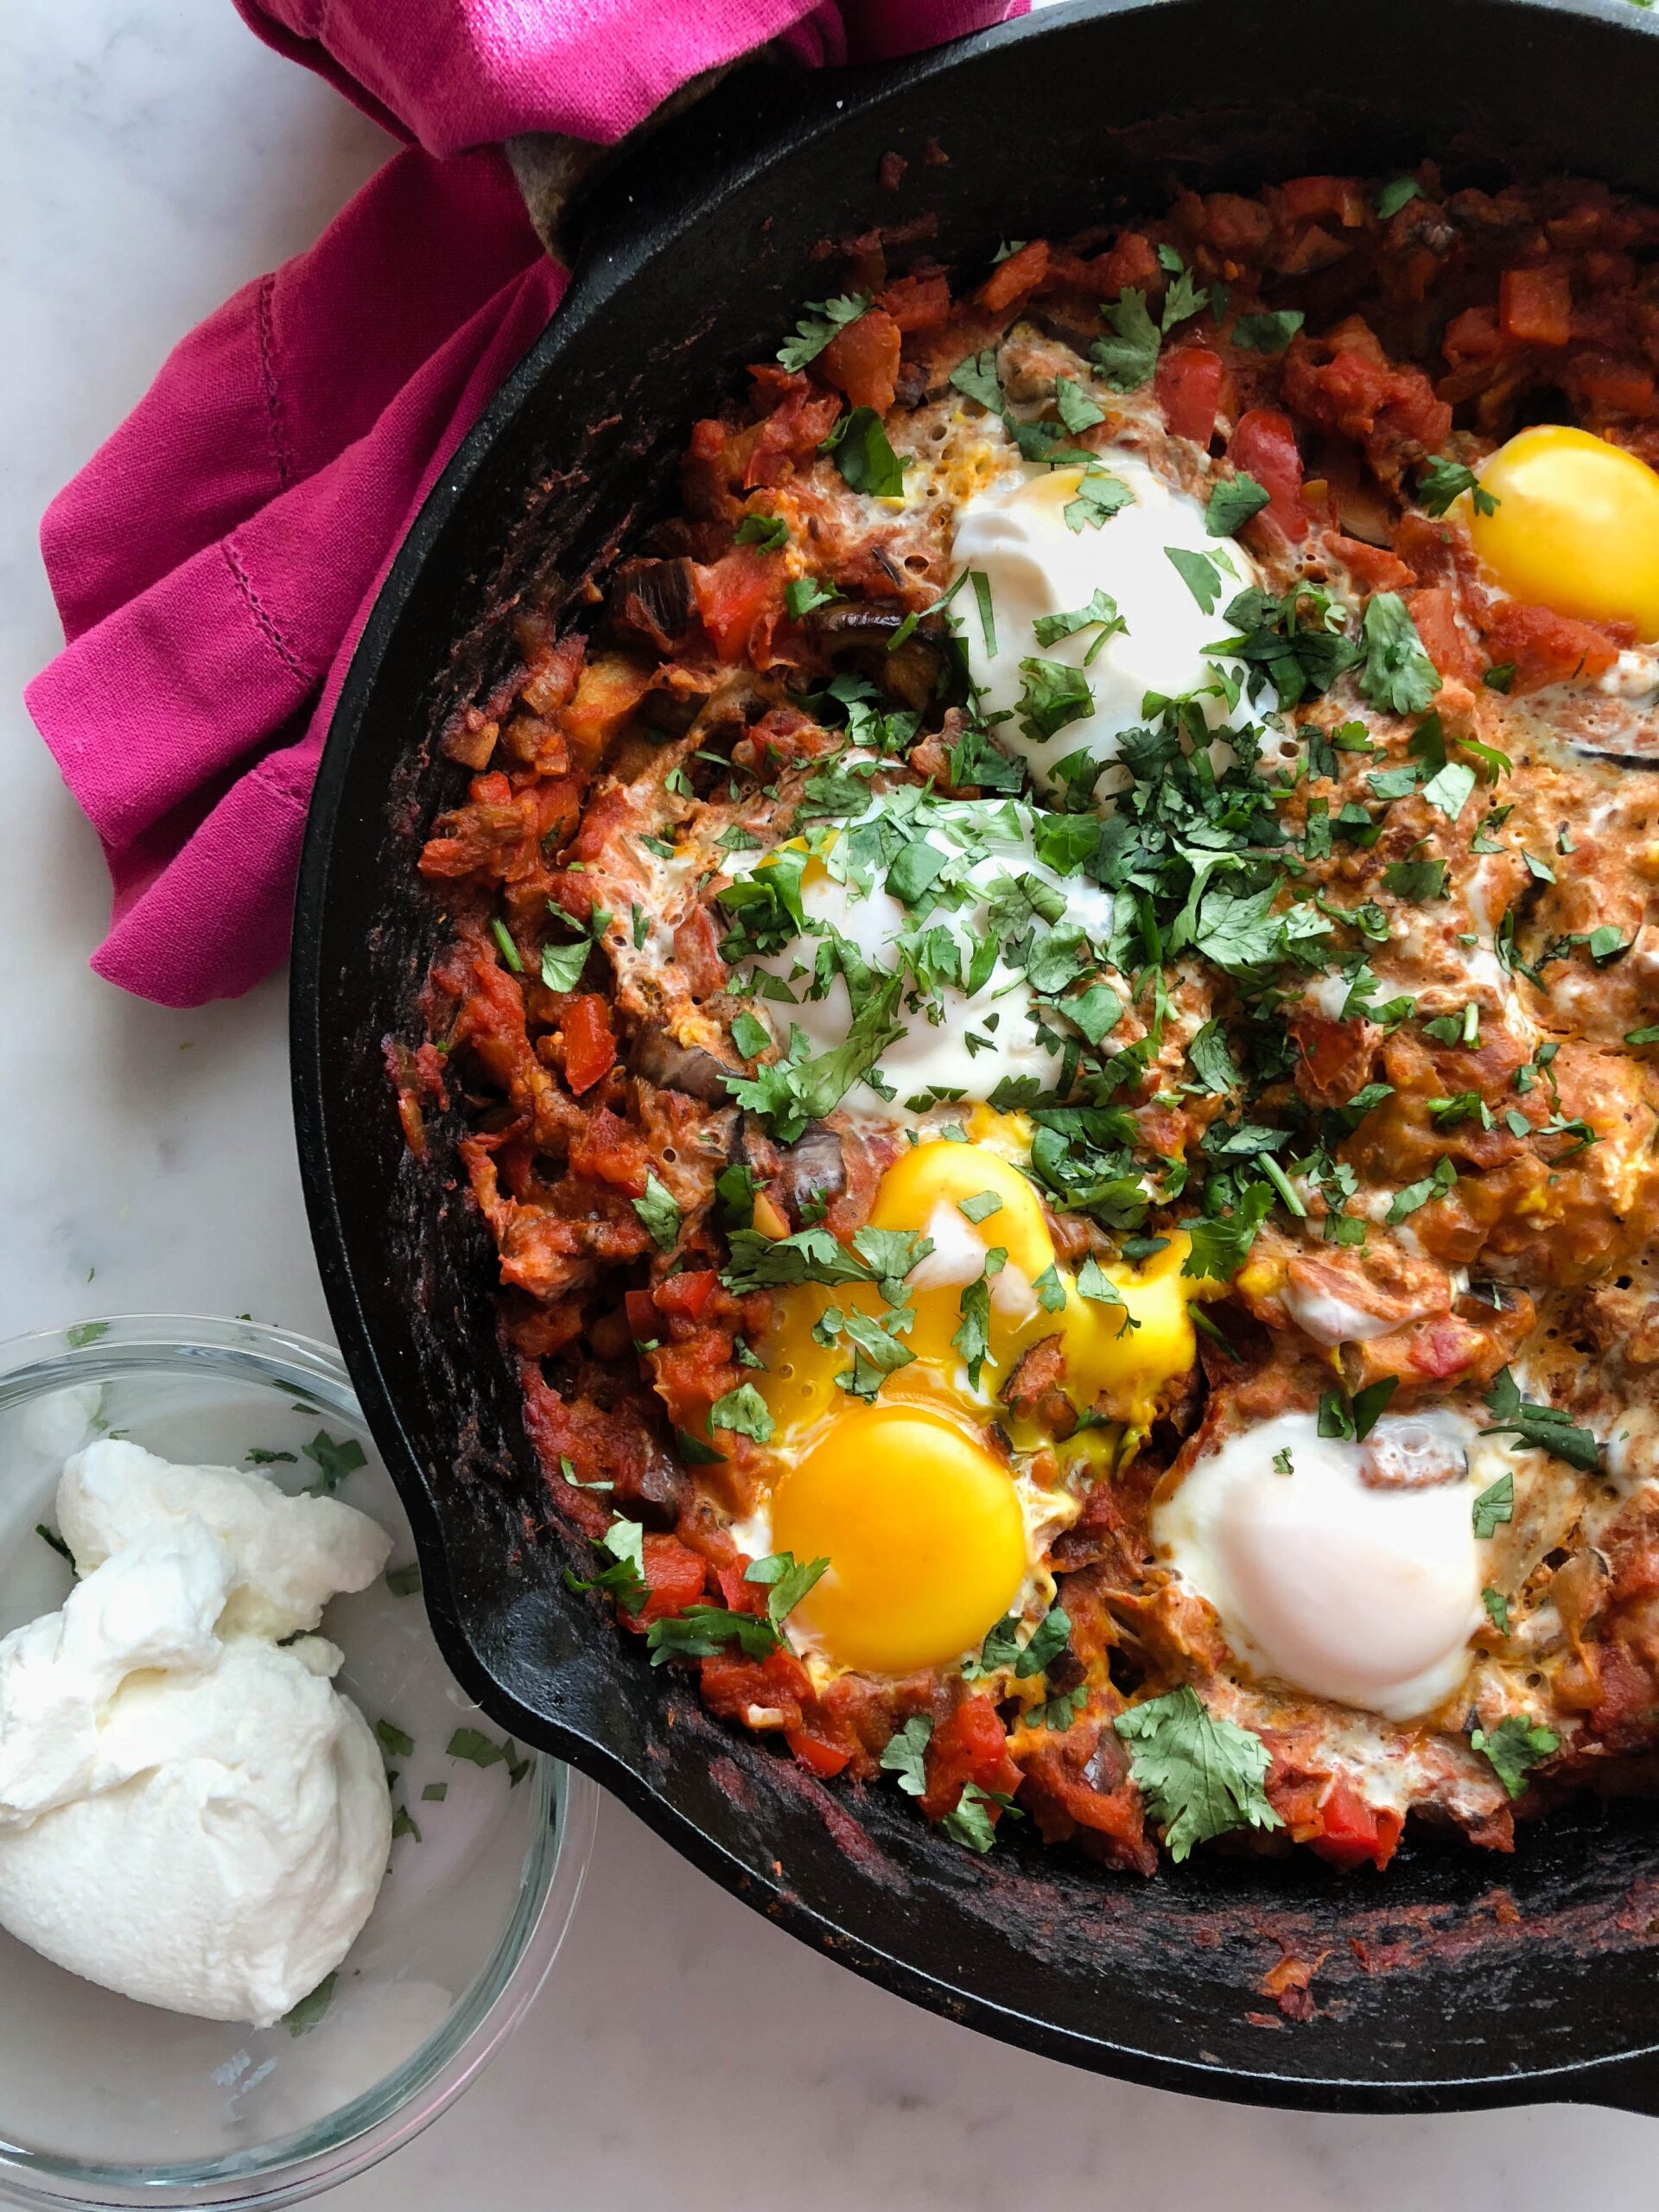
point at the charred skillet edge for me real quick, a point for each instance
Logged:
(1626, 2079)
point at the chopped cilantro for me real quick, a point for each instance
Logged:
(1396, 673)
(1392, 197)
(395, 1739)
(1269, 332)
(804, 592)
(1100, 495)
(1077, 412)
(1441, 482)
(659, 1212)
(508, 949)
(904, 1754)
(333, 1458)
(767, 531)
(624, 1577)
(1199, 573)
(1514, 1746)
(742, 1411)
(1407, 1201)
(971, 1824)
(561, 965)
(1054, 695)
(50, 1536)
(403, 1581)
(1544, 1428)
(1232, 502)
(1495, 1505)
(1497, 1608)
(1127, 358)
(1201, 1776)
(866, 461)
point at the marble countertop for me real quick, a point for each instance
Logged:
(152, 158)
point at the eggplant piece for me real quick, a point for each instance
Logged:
(812, 1172)
(654, 603)
(928, 666)
(688, 1068)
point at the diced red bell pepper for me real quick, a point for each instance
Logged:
(1354, 1831)
(1264, 445)
(1434, 611)
(970, 1744)
(674, 1578)
(1187, 385)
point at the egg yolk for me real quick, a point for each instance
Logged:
(922, 1531)
(972, 1203)
(1576, 527)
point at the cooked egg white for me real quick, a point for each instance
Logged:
(1019, 535)
(956, 1043)
(1364, 1593)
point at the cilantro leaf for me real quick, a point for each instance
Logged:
(798, 1089)
(1420, 1194)
(743, 1411)
(1100, 495)
(865, 460)
(1392, 197)
(333, 1458)
(1077, 412)
(1054, 694)
(1440, 483)
(659, 1212)
(803, 593)
(977, 378)
(702, 1631)
(1232, 502)
(823, 319)
(1396, 673)
(1220, 1247)
(1544, 1428)
(1199, 573)
(767, 531)
(1269, 333)
(1183, 300)
(904, 1754)
(561, 965)
(1514, 1746)
(1495, 1505)
(1211, 1059)
(1102, 609)
(971, 1824)
(624, 1578)
(1200, 1776)
(785, 1581)
(1127, 358)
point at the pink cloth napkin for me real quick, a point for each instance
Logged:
(214, 562)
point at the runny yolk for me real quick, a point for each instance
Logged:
(1122, 1346)
(922, 1531)
(1576, 527)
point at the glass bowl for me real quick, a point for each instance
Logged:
(104, 2101)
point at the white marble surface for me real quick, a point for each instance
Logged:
(152, 157)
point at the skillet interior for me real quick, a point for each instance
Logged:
(1460, 1979)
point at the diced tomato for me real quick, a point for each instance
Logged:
(778, 1683)
(674, 1578)
(970, 1746)
(688, 1295)
(589, 1047)
(861, 359)
(735, 593)
(1434, 611)
(1543, 646)
(643, 1318)
(1133, 262)
(1264, 445)
(607, 1151)
(819, 1758)
(1534, 306)
(1014, 279)
(1354, 1831)
(918, 302)
(1373, 566)
(1188, 386)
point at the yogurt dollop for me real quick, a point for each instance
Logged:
(190, 1812)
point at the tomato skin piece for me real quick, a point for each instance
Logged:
(1264, 445)
(918, 302)
(688, 1295)
(1434, 609)
(861, 359)
(1355, 1832)
(970, 1744)
(674, 1578)
(817, 1756)
(1188, 386)
(589, 1047)
(734, 592)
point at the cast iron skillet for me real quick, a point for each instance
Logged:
(1459, 1979)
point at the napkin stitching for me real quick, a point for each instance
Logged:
(272, 635)
(273, 395)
